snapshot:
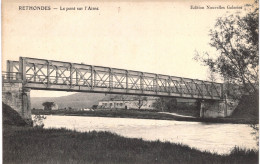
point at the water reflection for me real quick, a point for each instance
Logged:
(219, 138)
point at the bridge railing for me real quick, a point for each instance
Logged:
(55, 74)
(11, 76)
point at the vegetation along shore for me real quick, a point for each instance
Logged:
(145, 115)
(25, 144)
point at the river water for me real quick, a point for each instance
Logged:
(213, 137)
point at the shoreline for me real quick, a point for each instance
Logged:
(68, 146)
(146, 115)
(25, 144)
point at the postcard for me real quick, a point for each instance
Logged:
(130, 81)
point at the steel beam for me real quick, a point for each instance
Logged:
(83, 77)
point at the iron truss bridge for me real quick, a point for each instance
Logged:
(43, 74)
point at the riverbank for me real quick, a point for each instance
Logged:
(145, 115)
(24, 144)
(36, 145)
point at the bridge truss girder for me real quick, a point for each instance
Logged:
(56, 75)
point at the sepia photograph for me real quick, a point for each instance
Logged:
(130, 82)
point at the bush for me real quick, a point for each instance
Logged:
(38, 121)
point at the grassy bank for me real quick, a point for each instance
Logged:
(144, 115)
(35, 145)
(24, 144)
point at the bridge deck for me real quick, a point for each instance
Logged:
(56, 75)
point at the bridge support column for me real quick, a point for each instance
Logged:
(199, 106)
(214, 109)
(26, 104)
(17, 97)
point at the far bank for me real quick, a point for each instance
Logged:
(119, 113)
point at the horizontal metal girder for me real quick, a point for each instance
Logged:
(58, 75)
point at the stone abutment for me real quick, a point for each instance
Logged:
(214, 109)
(17, 97)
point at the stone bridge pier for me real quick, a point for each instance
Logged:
(214, 108)
(17, 97)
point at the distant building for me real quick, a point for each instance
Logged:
(134, 102)
(127, 102)
(86, 109)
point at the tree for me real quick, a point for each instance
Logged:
(235, 38)
(211, 76)
(171, 104)
(48, 105)
(165, 104)
(160, 103)
(140, 101)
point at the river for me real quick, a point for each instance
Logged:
(214, 137)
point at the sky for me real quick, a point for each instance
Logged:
(148, 36)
